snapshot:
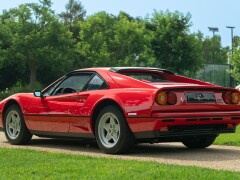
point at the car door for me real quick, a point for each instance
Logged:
(80, 121)
(53, 111)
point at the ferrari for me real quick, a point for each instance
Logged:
(121, 106)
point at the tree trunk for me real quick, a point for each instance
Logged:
(33, 73)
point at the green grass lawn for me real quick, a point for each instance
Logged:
(232, 139)
(30, 164)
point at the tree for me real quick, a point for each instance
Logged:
(235, 61)
(74, 12)
(213, 52)
(123, 14)
(174, 47)
(37, 40)
(236, 41)
(107, 40)
(6, 68)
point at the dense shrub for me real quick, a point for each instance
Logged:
(18, 88)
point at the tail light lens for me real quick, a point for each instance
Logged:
(227, 97)
(164, 98)
(231, 97)
(161, 98)
(235, 98)
(171, 98)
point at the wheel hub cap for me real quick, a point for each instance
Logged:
(109, 130)
(13, 124)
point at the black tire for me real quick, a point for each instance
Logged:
(199, 142)
(15, 128)
(115, 137)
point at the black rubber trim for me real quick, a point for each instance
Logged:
(178, 132)
(168, 120)
(191, 120)
(62, 135)
(204, 119)
(217, 119)
(1, 129)
(117, 69)
(55, 115)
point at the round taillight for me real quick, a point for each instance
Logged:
(161, 98)
(227, 97)
(235, 98)
(171, 98)
(231, 97)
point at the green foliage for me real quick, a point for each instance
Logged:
(236, 41)
(37, 40)
(38, 45)
(173, 46)
(213, 52)
(29, 164)
(107, 40)
(18, 88)
(5, 93)
(74, 12)
(229, 139)
(235, 62)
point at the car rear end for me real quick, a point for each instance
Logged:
(179, 112)
(183, 109)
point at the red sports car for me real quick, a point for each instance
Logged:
(122, 106)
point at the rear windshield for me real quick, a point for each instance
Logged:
(145, 76)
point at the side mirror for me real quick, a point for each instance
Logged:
(38, 93)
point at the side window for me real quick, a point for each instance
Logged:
(73, 83)
(50, 89)
(95, 83)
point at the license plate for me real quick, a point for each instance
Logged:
(199, 97)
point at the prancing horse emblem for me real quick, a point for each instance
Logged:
(181, 100)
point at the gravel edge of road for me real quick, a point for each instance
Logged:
(235, 164)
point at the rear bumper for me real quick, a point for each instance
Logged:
(179, 132)
(144, 127)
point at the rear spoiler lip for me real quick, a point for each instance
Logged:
(200, 88)
(117, 69)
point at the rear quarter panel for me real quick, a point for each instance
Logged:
(137, 101)
(133, 102)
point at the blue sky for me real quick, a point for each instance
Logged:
(205, 13)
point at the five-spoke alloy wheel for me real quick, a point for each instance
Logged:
(15, 128)
(13, 124)
(109, 130)
(112, 132)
